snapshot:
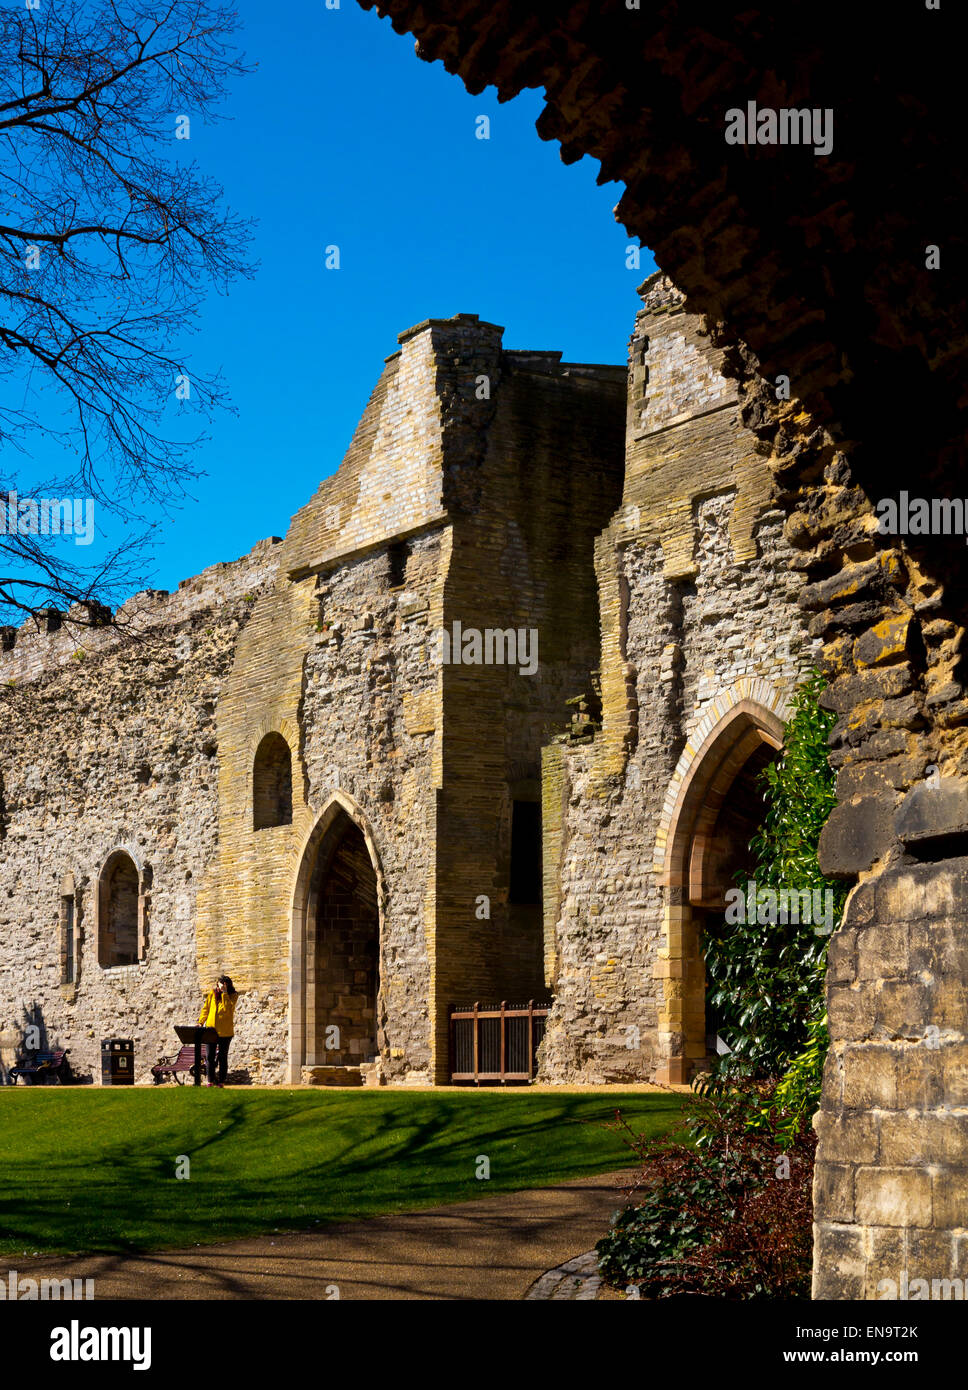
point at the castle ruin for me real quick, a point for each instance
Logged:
(337, 769)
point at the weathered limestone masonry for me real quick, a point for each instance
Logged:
(471, 493)
(821, 267)
(108, 748)
(283, 781)
(691, 567)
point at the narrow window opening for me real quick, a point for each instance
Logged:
(67, 940)
(525, 852)
(272, 783)
(398, 554)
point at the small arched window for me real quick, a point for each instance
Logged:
(272, 783)
(120, 927)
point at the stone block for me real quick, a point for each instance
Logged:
(856, 834)
(932, 812)
(331, 1076)
(839, 1263)
(860, 908)
(919, 1078)
(846, 1138)
(949, 1002)
(852, 582)
(883, 744)
(901, 1007)
(916, 1137)
(904, 713)
(952, 1062)
(887, 1253)
(949, 1187)
(833, 1191)
(833, 1077)
(869, 1077)
(882, 951)
(842, 957)
(872, 778)
(850, 1011)
(862, 779)
(831, 622)
(915, 892)
(851, 691)
(887, 641)
(940, 948)
(893, 1197)
(930, 1255)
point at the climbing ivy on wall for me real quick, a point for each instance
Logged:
(766, 977)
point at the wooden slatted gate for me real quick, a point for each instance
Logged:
(495, 1042)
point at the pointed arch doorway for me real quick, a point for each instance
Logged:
(712, 809)
(335, 966)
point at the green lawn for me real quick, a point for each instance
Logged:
(86, 1169)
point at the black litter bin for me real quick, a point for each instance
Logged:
(117, 1062)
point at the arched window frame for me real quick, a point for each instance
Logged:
(732, 727)
(102, 904)
(271, 737)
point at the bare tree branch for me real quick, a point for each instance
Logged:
(108, 244)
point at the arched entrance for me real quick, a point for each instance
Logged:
(712, 808)
(336, 944)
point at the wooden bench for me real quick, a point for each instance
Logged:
(45, 1069)
(184, 1062)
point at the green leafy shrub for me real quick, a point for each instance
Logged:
(729, 1216)
(797, 1094)
(766, 979)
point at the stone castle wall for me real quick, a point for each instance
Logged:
(340, 658)
(482, 487)
(108, 742)
(693, 561)
(522, 559)
(472, 492)
(337, 659)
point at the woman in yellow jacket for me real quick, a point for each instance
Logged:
(218, 1012)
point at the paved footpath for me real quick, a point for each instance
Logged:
(492, 1248)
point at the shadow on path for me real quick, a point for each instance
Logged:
(490, 1248)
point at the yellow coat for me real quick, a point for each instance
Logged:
(220, 1016)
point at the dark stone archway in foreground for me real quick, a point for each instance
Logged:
(814, 261)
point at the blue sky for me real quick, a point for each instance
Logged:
(342, 135)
